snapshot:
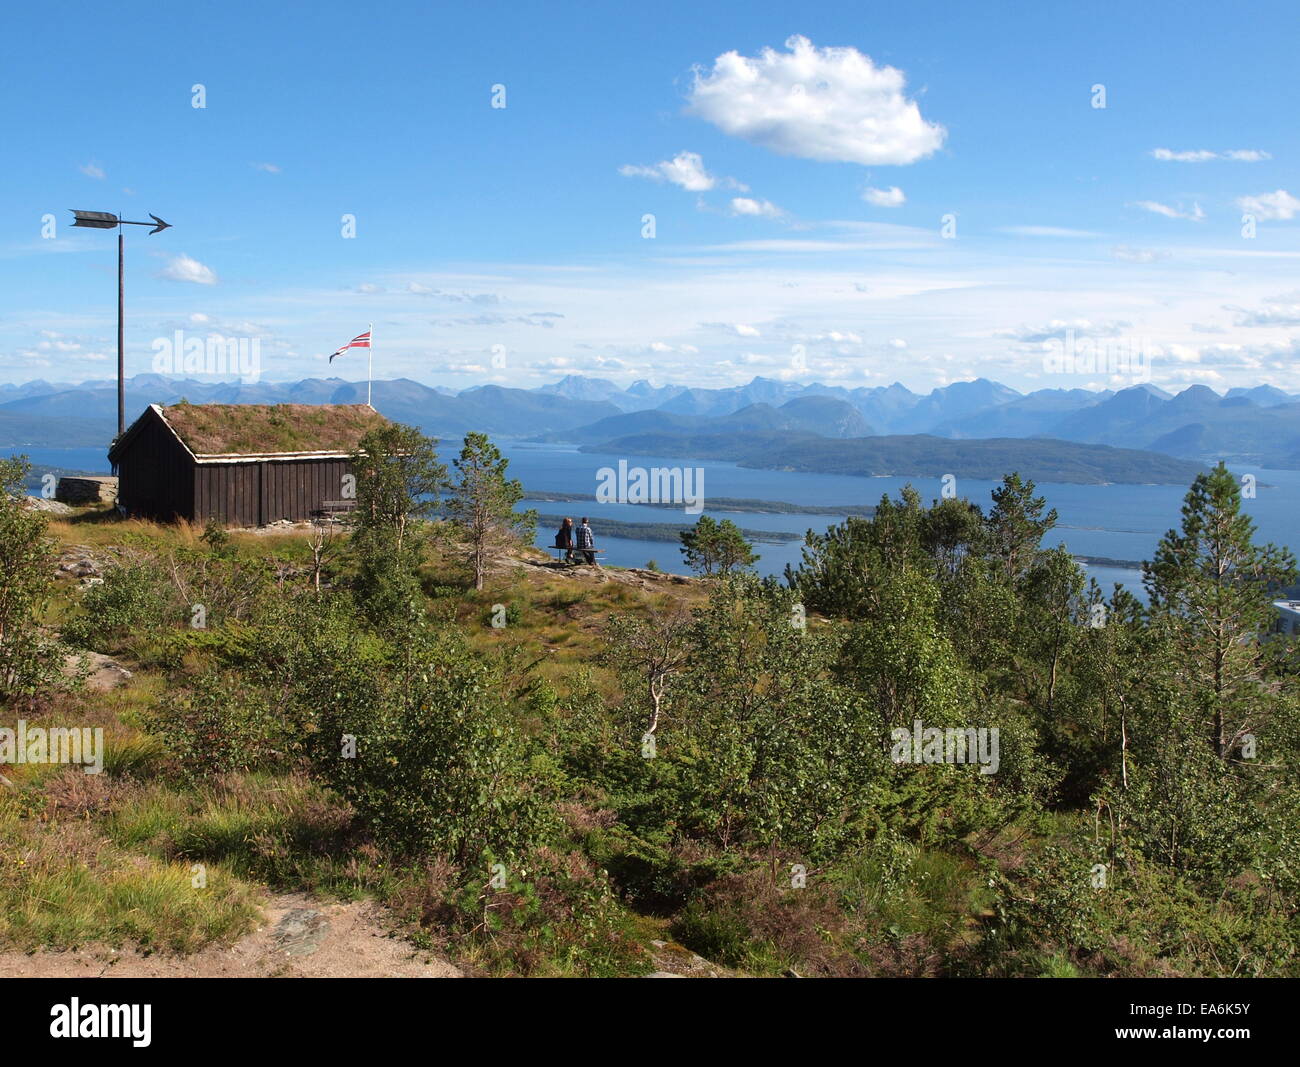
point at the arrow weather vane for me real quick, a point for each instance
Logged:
(106, 220)
(103, 220)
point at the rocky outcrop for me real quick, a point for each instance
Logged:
(83, 563)
(86, 490)
(53, 507)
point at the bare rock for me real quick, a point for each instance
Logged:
(104, 673)
(53, 507)
(86, 489)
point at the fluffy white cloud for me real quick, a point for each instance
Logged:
(185, 269)
(92, 170)
(1157, 208)
(686, 169)
(744, 205)
(1269, 206)
(269, 168)
(891, 197)
(1057, 329)
(1279, 311)
(829, 104)
(1201, 155)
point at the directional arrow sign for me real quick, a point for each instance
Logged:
(103, 220)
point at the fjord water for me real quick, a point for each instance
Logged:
(1121, 522)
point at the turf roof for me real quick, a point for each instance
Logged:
(257, 429)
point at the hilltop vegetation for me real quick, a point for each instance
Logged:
(553, 772)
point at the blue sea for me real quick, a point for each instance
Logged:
(1115, 521)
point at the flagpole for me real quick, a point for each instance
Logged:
(370, 361)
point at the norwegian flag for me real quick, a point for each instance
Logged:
(362, 340)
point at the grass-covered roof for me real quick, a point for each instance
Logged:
(258, 429)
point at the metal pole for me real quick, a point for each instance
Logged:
(121, 358)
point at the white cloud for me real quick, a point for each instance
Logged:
(1280, 311)
(891, 197)
(1157, 208)
(686, 170)
(828, 104)
(1057, 329)
(1047, 231)
(185, 269)
(1269, 206)
(739, 329)
(92, 170)
(1201, 155)
(744, 205)
(1125, 254)
(269, 168)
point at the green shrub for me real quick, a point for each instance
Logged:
(220, 724)
(132, 600)
(437, 764)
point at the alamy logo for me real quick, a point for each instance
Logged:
(1127, 357)
(213, 354)
(658, 485)
(75, 1019)
(57, 744)
(930, 744)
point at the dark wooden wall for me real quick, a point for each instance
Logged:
(158, 479)
(254, 494)
(155, 474)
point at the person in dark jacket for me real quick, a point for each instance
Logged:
(587, 542)
(564, 539)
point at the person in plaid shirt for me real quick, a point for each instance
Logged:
(587, 542)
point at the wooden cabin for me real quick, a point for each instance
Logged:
(239, 464)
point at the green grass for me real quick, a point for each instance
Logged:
(62, 886)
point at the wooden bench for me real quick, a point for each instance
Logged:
(560, 552)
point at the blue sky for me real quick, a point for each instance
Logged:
(799, 163)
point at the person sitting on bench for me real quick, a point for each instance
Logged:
(564, 539)
(587, 542)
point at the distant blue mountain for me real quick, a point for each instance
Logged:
(1259, 425)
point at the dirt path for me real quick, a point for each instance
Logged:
(299, 938)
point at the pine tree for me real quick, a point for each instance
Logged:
(1016, 525)
(711, 547)
(1212, 588)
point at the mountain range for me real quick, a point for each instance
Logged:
(775, 419)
